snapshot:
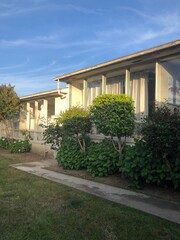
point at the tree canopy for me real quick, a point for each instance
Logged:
(9, 103)
(114, 116)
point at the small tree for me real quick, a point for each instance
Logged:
(114, 116)
(9, 106)
(75, 124)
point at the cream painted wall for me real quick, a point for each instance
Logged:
(76, 95)
(61, 103)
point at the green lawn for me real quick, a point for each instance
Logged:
(34, 208)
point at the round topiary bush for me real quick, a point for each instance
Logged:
(113, 116)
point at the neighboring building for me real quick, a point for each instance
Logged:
(38, 109)
(149, 76)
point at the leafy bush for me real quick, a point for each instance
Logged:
(114, 116)
(15, 146)
(136, 164)
(71, 156)
(161, 132)
(75, 124)
(4, 143)
(20, 146)
(102, 159)
(53, 135)
(141, 166)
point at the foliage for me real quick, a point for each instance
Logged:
(142, 166)
(4, 143)
(68, 136)
(114, 116)
(9, 102)
(70, 155)
(102, 159)
(136, 164)
(26, 134)
(75, 123)
(161, 132)
(15, 145)
(9, 106)
(53, 135)
(20, 146)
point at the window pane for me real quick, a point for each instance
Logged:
(115, 85)
(94, 89)
(139, 93)
(171, 75)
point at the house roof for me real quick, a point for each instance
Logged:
(146, 56)
(45, 94)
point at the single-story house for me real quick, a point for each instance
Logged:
(148, 76)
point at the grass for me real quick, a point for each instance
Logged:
(32, 208)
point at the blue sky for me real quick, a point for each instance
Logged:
(40, 39)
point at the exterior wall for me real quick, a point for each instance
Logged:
(35, 112)
(145, 83)
(134, 84)
(61, 104)
(76, 94)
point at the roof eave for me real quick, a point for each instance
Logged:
(119, 60)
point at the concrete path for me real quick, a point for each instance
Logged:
(161, 208)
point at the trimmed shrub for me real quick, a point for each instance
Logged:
(75, 124)
(75, 121)
(113, 116)
(102, 159)
(71, 156)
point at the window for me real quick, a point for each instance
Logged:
(139, 93)
(170, 76)
(94, 89)
(115, 85)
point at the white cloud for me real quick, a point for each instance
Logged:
(37, 79)
(9, 9)
(152, 27)
(51, 42)
(20, 65)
